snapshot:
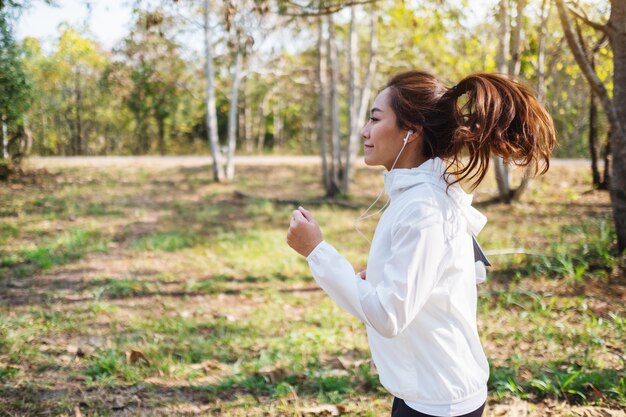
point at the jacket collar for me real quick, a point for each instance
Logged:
(433, 172)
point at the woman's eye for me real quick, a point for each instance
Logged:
(373, 119)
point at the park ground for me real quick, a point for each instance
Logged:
(143, 288)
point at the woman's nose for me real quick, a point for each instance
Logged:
(365, 131)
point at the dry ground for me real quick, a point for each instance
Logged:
(146, 289)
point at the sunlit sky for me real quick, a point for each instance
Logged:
(108, 20)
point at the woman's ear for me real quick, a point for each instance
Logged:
(417, 133)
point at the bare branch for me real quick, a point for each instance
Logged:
(585, 66)
(582, 16)
(310, 10)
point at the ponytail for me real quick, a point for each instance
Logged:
(485, 114)
(499, 117)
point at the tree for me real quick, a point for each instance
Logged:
(615, 106)
(211, 113)
(15, 92)
(337, 168)
(156, 70)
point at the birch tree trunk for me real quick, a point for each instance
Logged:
(335, 134)
(247, 120)
(353, 111)
(321, 102)
(517, 40)
(232, 117)
(541, 73)
(359, 97)
(501, 170)
(366, 89)
(211, 112)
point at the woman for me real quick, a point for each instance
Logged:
(417, 296)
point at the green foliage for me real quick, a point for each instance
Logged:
(581, 249)
(15, 84)
(147, 94)
(571, 383)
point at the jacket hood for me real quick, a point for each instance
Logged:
(433, 172)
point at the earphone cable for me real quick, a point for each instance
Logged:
(363, 215)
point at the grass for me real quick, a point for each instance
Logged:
(96, 264)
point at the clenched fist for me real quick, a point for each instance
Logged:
(304, 233)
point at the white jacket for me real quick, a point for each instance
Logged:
(419, 299)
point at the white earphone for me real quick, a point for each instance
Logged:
(406, 138)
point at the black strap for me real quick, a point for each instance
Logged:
(479, 255)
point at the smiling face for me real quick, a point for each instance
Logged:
(382, 138)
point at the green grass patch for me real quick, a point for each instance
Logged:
(563, 382)
(110, 287)
(582, 249)
(69, 246)
(234, 312)
(171, 241)
(8, 231)
(108, 366)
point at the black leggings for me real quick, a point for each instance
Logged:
(400, 409)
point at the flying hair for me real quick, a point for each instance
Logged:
(482, 116)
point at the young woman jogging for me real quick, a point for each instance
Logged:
(417, 296)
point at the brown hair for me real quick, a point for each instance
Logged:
(499, 116)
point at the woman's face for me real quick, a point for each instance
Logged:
(382, 138)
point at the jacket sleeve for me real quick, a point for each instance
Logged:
(334, 274)
(410, 275)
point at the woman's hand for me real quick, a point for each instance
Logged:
(304, 233)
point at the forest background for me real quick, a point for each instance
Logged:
(88, 252)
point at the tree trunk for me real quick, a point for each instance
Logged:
(615, 109)
(366, 89)
(606, 178)
(321, 102)
(516, 40)
(27, 143)
(232, 117)
(161, 132)
(337, 168)
(247, 120)
(617, 139)
(5, 140)
(593, 139)
(500, 168)
(79, 126)
(353, 111)
(541, 78)
(504, 36)
(260, 144)
(359, 97)
(211, 112)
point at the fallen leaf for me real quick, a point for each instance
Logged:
(273, 374)
(77, 412)
(134, 356)
(324, 410)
